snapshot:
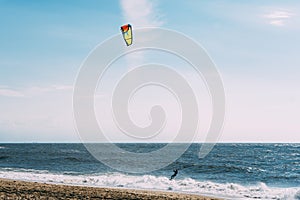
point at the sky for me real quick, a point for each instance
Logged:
(255, 46)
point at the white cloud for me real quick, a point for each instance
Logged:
(141, 13)
(61, 87)
(44, 114)
(278, 17)
(277, 22)
(10, 93)
(33, 91)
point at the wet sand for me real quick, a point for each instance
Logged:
(11, 189)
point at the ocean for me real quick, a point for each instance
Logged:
(231, 171)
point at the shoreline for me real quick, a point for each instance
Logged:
(15, 189)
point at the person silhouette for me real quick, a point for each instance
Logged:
(175, 173)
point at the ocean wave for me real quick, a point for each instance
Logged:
(3, 157)
(297, 195)
(2, 147)
(73, 159)
(16, 171)
(225, 168)
(70, 151)
(187, 185)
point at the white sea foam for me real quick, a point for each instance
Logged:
(2, 147)
(188, 185)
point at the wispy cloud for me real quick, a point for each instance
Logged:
(141, 13)
(62, 87)
(10, 92)
(278, 17)
(32, 91)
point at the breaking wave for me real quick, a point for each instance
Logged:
(149, 182)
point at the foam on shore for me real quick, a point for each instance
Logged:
(149, 182)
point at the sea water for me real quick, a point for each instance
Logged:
(231, 171)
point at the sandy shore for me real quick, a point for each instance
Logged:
(10, 189)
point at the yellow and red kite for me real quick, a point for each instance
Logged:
(127, 33)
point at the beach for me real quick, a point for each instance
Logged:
(12, 189)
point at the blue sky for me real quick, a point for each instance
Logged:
(255, 45)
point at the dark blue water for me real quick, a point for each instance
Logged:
(276, 165)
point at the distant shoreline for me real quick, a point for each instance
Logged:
(15, 189)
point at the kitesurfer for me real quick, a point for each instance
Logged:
(175, 173)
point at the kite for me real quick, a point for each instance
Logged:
(127, 33)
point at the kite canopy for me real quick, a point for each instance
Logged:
(127, 33)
